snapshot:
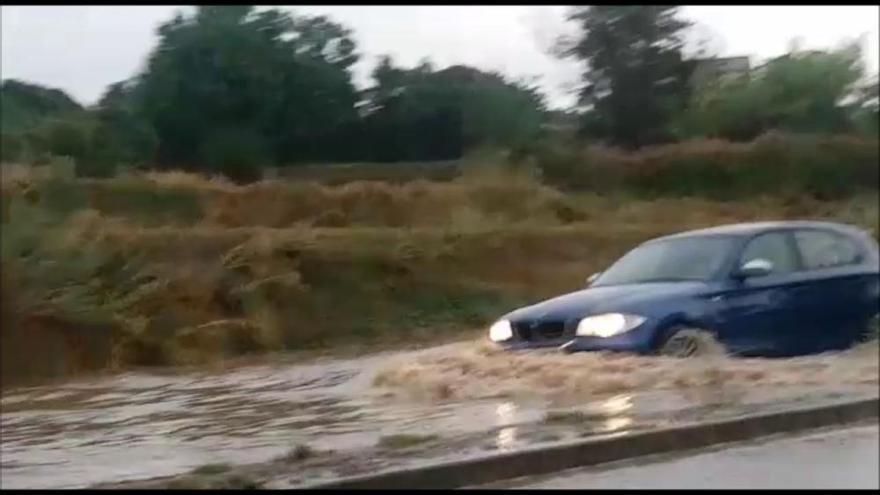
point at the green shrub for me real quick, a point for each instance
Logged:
(65, 138)
(239, 154)
(11, 147)
(813, 165)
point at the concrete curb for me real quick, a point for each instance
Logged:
(544, 460)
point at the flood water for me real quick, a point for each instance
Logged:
(143, 425)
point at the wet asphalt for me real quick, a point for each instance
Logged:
(844, 458)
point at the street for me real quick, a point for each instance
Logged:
(845, 458)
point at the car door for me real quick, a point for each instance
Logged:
(836, 289)
(758, 313)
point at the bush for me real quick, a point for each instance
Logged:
(239, 154)
(11, 147)
(797, 92)
(95, 168)
(65, 138)
(817, 166)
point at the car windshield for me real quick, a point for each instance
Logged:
(694, 258)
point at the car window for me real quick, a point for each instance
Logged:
(689, 258)
(773, 247)
(823, 249)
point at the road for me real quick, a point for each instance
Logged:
(845, 459)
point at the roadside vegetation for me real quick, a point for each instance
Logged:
(166, 269)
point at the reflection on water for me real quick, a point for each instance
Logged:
(614, 424)
(616, 405)
(506, 415)
(617, 409)
(506, 439)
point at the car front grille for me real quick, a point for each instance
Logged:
(537, 331)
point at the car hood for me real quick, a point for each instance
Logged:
(613, 298)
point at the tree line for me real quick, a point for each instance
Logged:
(232, 89)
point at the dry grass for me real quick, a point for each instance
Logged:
(182, 179)
(486, 195)
(795, 164)
(335, 174)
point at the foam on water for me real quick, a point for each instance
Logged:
(481, 370)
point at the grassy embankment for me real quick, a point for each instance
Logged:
(172, 268)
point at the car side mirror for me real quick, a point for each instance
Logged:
(758, 267)
(593, 278)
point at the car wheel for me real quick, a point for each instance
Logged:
(872, 331)
(690, 342)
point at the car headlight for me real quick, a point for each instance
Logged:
(608, 324)
(500, 331)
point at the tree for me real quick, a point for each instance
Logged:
(26, 110)
(423, 114)
(280, 81)
(495, 112)
(24, 105)
(866, 107)
(801, 91)
(121, 135)
(635, 77)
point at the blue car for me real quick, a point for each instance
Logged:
(754, 289)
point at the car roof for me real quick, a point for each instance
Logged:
(753, 228)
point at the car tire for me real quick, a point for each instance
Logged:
(687, 342)
(872, 330)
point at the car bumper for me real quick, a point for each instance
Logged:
(587, 344)
(520, 345)
(638, 340)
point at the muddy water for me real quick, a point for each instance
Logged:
(139, 425)
(482, 370)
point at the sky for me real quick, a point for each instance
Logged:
(82, 49)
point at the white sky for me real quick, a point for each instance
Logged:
(82, 49)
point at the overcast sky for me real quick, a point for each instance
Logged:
(82, 49)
